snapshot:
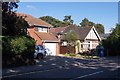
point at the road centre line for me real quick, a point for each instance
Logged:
(87, 75)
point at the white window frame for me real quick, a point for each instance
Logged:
(42, 29)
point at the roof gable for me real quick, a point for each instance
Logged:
(93, 34)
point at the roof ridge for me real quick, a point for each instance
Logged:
(37, 21)
(86, 27)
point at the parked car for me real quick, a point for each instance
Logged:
(48, 52)
(40, 52)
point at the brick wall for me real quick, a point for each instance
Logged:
(64, 49)
(57, 49)
(31, 32)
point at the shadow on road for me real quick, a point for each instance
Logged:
(61, 62)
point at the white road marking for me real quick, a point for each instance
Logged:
(87, 75)
(28, 73)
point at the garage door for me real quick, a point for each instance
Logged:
(52, 47)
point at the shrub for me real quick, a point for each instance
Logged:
(22, 45)
(17, 50)
(70, 54)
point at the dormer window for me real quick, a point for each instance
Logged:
(42, 29)
(59, 35)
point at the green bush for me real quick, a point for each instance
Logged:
(22, 45)
(17, 50)
(66, 54)
(70, 54)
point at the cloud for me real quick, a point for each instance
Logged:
(31, 7)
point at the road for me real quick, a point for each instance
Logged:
(70, 69)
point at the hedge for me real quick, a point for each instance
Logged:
(17, 50)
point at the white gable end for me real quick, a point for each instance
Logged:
(92, 35)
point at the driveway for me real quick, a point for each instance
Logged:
(65, 67)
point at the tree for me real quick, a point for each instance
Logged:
(71, 37)
(55, 22)
(111, 30)
(21, 26)
(11, 23)
(91, 23)
(112, 43)
(86, 22)
(99, 28)
(17, 48)
(115, 35)
(8, 6)
(71, 21)
(68, 19)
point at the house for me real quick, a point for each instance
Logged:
(39, 30)
(88, 38)
(104, 36)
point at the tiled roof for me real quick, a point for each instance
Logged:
(58, 30)
(47, 37)
(34, 21)
(82, 32)
(104, 36)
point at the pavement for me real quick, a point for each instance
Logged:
(52, 62)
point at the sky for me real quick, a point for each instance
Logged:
(105, 13)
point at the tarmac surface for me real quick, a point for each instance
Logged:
(69, 68)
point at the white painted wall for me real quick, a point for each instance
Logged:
(91, 35)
